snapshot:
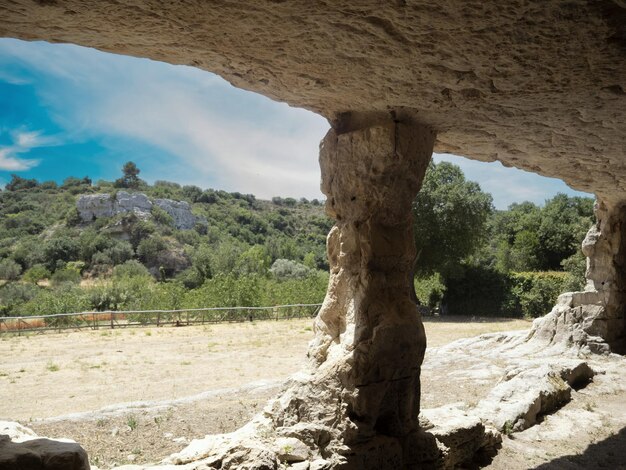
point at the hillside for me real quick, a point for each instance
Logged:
(43, 236)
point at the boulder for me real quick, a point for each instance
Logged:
(180, 211)
(22, 449)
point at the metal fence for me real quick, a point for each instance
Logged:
(137, 318)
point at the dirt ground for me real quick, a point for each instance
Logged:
(137, 395)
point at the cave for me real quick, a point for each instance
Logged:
(539, 86)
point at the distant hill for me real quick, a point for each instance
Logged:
(41, 226)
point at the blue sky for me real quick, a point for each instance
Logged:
(72, 111)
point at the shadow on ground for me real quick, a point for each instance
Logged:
(609, 453)
(467, 319)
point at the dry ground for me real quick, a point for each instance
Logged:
(137, 395)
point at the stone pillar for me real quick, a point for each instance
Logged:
(363, 391)
(594, 319)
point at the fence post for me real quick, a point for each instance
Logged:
(187, 318)
(112, 326)
(19, 326)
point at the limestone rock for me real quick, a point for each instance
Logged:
(529, 391)
(594, 320)
(94, 206)
(290, 449)
(137, 203)
(180, 211)
(545, 94)
(16, 432)
(21, 449)
(463, 435)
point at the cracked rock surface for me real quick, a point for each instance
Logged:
(536, 85)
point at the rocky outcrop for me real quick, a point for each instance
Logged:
(180, 211)
(22, 449)
(94, 206)
(594, 319)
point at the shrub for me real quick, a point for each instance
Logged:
(36, 274)
(283, 269)
(9, 269)
(161, 217)
(536, 292)
(430, 290)
(15, 294)
(67, 275)
(131, 268)
(478, 291)
(65, 299)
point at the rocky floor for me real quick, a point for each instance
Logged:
(482, 376)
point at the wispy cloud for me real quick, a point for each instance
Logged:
(23, 142)
(220, 136)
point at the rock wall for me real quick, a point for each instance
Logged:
(595, 318)
(94, 206)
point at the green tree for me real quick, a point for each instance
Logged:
(18, 183)
(130, 178)
(451, 217)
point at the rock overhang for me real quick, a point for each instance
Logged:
(536, 85)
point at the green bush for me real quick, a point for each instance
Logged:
(36, 274)
(67, 275)
(15, 294)
(131, 268)
(488, 292)
(430, 290)
(65, 299)
(536, 292)
(478, 290)
(283, 269)
(9, 269)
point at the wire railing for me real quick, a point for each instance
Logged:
(137, 318)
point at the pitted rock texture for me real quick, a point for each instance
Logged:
(536, 85)
(180, 211)
(594, 319)
(94, 206)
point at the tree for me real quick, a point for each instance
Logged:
(17, 183)
(529, 238)
(451, 217)
(130, 179)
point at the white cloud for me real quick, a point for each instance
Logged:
(228, 138)
(23, 142)
(8, 162)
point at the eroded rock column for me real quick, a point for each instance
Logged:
(356, 404)
(364, 387)
(595, 318)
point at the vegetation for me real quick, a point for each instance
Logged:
(472, 259)
(248, 253)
